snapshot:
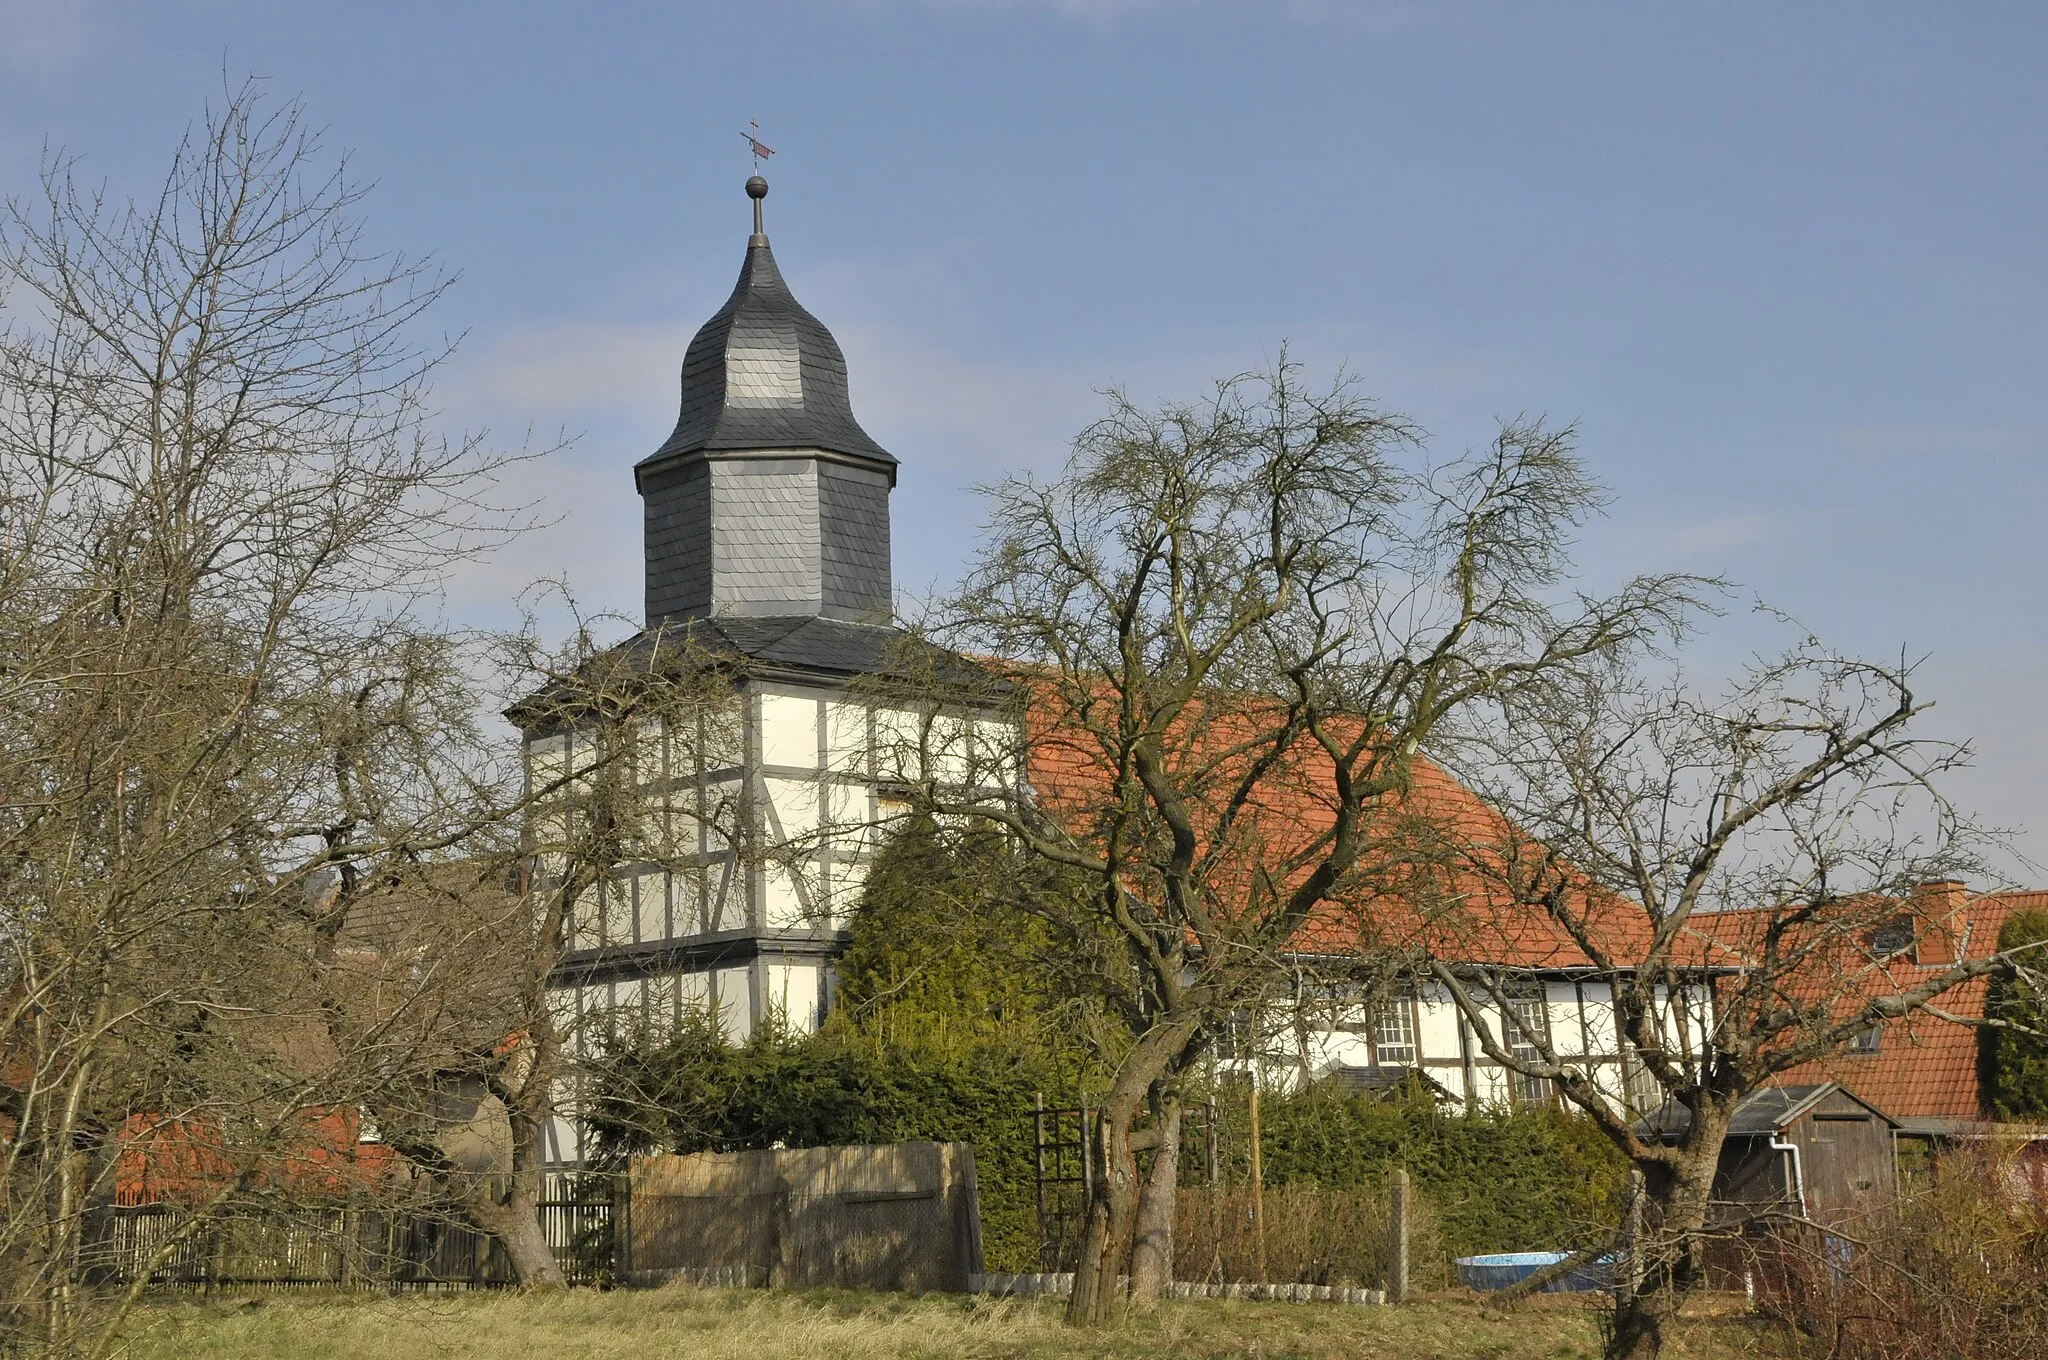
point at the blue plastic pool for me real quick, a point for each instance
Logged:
(1507, 1268)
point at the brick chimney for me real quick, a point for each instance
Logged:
(1941, 929)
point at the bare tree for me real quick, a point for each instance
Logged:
(1225, 632)
(229, 717)
(1739, 869)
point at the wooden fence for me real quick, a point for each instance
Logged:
(901, 1216)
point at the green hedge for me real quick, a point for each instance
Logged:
(1500, 1181)
(692, 1093)
(955, 1006)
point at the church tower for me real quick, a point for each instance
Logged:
(767, 542)
(768, 500)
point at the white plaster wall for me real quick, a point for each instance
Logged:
(794, 993)
(615, 911)
(843, 882)
(1600, 1024)
(564, 1136)
(735, 1001)
(791, 808)
(1489, 1086)
(1436, 1029)
(650, 750)
(847, 737)
(1567, 1034)
(727, 907)
(784, 890)
(789, 730)
(629, 998)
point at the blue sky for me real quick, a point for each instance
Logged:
(1785, 269)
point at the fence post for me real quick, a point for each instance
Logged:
(1397, 1227)
(1087, 1137)
(622, 1226)
(1258, 1190)
(1215, 1272)
(1038, 1162)
(1210, 1138)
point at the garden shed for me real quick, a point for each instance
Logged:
(1819, 1151)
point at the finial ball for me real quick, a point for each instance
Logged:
(757, 188)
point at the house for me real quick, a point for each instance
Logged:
(767, 542)
(1924, 1070)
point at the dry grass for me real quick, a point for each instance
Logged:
(763, 1325)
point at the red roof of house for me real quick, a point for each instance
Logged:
(1451, 912)
(1925, 1068)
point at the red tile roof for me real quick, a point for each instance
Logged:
(1925, 1068)
(1451, 912)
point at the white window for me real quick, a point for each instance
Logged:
(1528, 1033)
(1394, 1034)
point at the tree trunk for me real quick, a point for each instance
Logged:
(508, 1207)
(515, 1221)
(1669, 1264)
(1152, 1238)
(1110, 1211)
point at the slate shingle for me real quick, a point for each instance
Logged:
(768, 499)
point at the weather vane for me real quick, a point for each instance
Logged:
(762, 151)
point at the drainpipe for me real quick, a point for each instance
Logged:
(1778, 1144)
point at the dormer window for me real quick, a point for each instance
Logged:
(1893, 937)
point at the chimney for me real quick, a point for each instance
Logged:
(1941, 931)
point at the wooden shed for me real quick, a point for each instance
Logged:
(1820, 1152)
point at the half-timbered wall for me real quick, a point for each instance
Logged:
(760, 826)
(1422, 1029)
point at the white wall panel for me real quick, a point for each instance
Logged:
(650, 764)
(547, 759)
(693, 992)
(793, 995)
(789, 731)
(843, 884)
(783, 892)
(629, 998)
(726, 908)
(846, 737)
(735, 1000)
(1600, 1018)
(650, 905)
(793, 804)
(1437, 1027)
(1567, 1036)
(1490, 1086)
(615, 897)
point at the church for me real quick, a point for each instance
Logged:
(767, 541)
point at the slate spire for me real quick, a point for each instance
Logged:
(768, 498)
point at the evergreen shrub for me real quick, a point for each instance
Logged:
(2015, 1065)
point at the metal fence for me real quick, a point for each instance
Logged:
(336, 1247)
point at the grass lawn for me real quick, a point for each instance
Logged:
(709, 1324)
